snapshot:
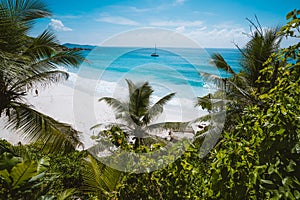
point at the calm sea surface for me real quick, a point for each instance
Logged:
(176, 69)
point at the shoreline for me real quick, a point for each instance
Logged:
(74, 102)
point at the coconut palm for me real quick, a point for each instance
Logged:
(26, 63)
(239, 86)
(138, 113)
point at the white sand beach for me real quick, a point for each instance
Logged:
(75, 102)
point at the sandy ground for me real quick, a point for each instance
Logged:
(76, 103)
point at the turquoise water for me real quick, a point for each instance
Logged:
(176, 69)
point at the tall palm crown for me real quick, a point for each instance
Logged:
(239, 86)
(256, 52)
(27, 63)
(138, 112)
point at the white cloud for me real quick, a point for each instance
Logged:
(57, 25)
(70, 16)
(139, 10)
(179, 2)
(147, 37)
(177, 23)
(118, 20)
(219, 36)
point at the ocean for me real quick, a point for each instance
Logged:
(175, 70)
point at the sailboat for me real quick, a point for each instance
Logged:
(154, 54)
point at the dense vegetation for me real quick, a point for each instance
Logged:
(257, 156)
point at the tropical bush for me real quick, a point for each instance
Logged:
(259, 159)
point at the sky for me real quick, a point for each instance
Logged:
(210, 23)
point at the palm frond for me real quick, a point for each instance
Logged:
(109, 125)
(63, 58)
(217, 80)
(204, 102)
(139, 102)
(240, 90)
(115, 103)
(67, 194)
(36, 126)
(43, 79)
(131, 86)
(219, 62)
(12, 32)
(157, 108)
(42, 46)
(215, 116)
(98, 178)
(26, 10)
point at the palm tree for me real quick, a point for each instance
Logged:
(138, 113)
(27, 63)
(239, 86)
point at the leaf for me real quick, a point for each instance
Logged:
(43, 164)
(220, 63)
(271, 169)
(7, 161)
(289, 15)
(36, 126)
(66, 194)
(37, 177)
(98, 178)
(267, 181)
(5, 175)
(297, 194)
(23, 172)
(291, 166)
(287, 182)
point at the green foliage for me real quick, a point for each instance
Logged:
(26, 63)
(178, 180)
(99, 179)
(114, 135)
(138, 112)
(26, 179)
(259, 159)
(291, 29)
(62, 172)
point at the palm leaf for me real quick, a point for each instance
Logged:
(217, 80)
(43, 79)
(38, 127)
(42, 46)
(116, 104)
(98, 178)
(157, 108)
(212, 117)
(23, 172)
(204, 102)
(131, 86)
(124, 127)
(26, 10)
(139, 102)
(220, 63)
(67, 194)
(63, 58)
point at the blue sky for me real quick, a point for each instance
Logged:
(210, 23)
